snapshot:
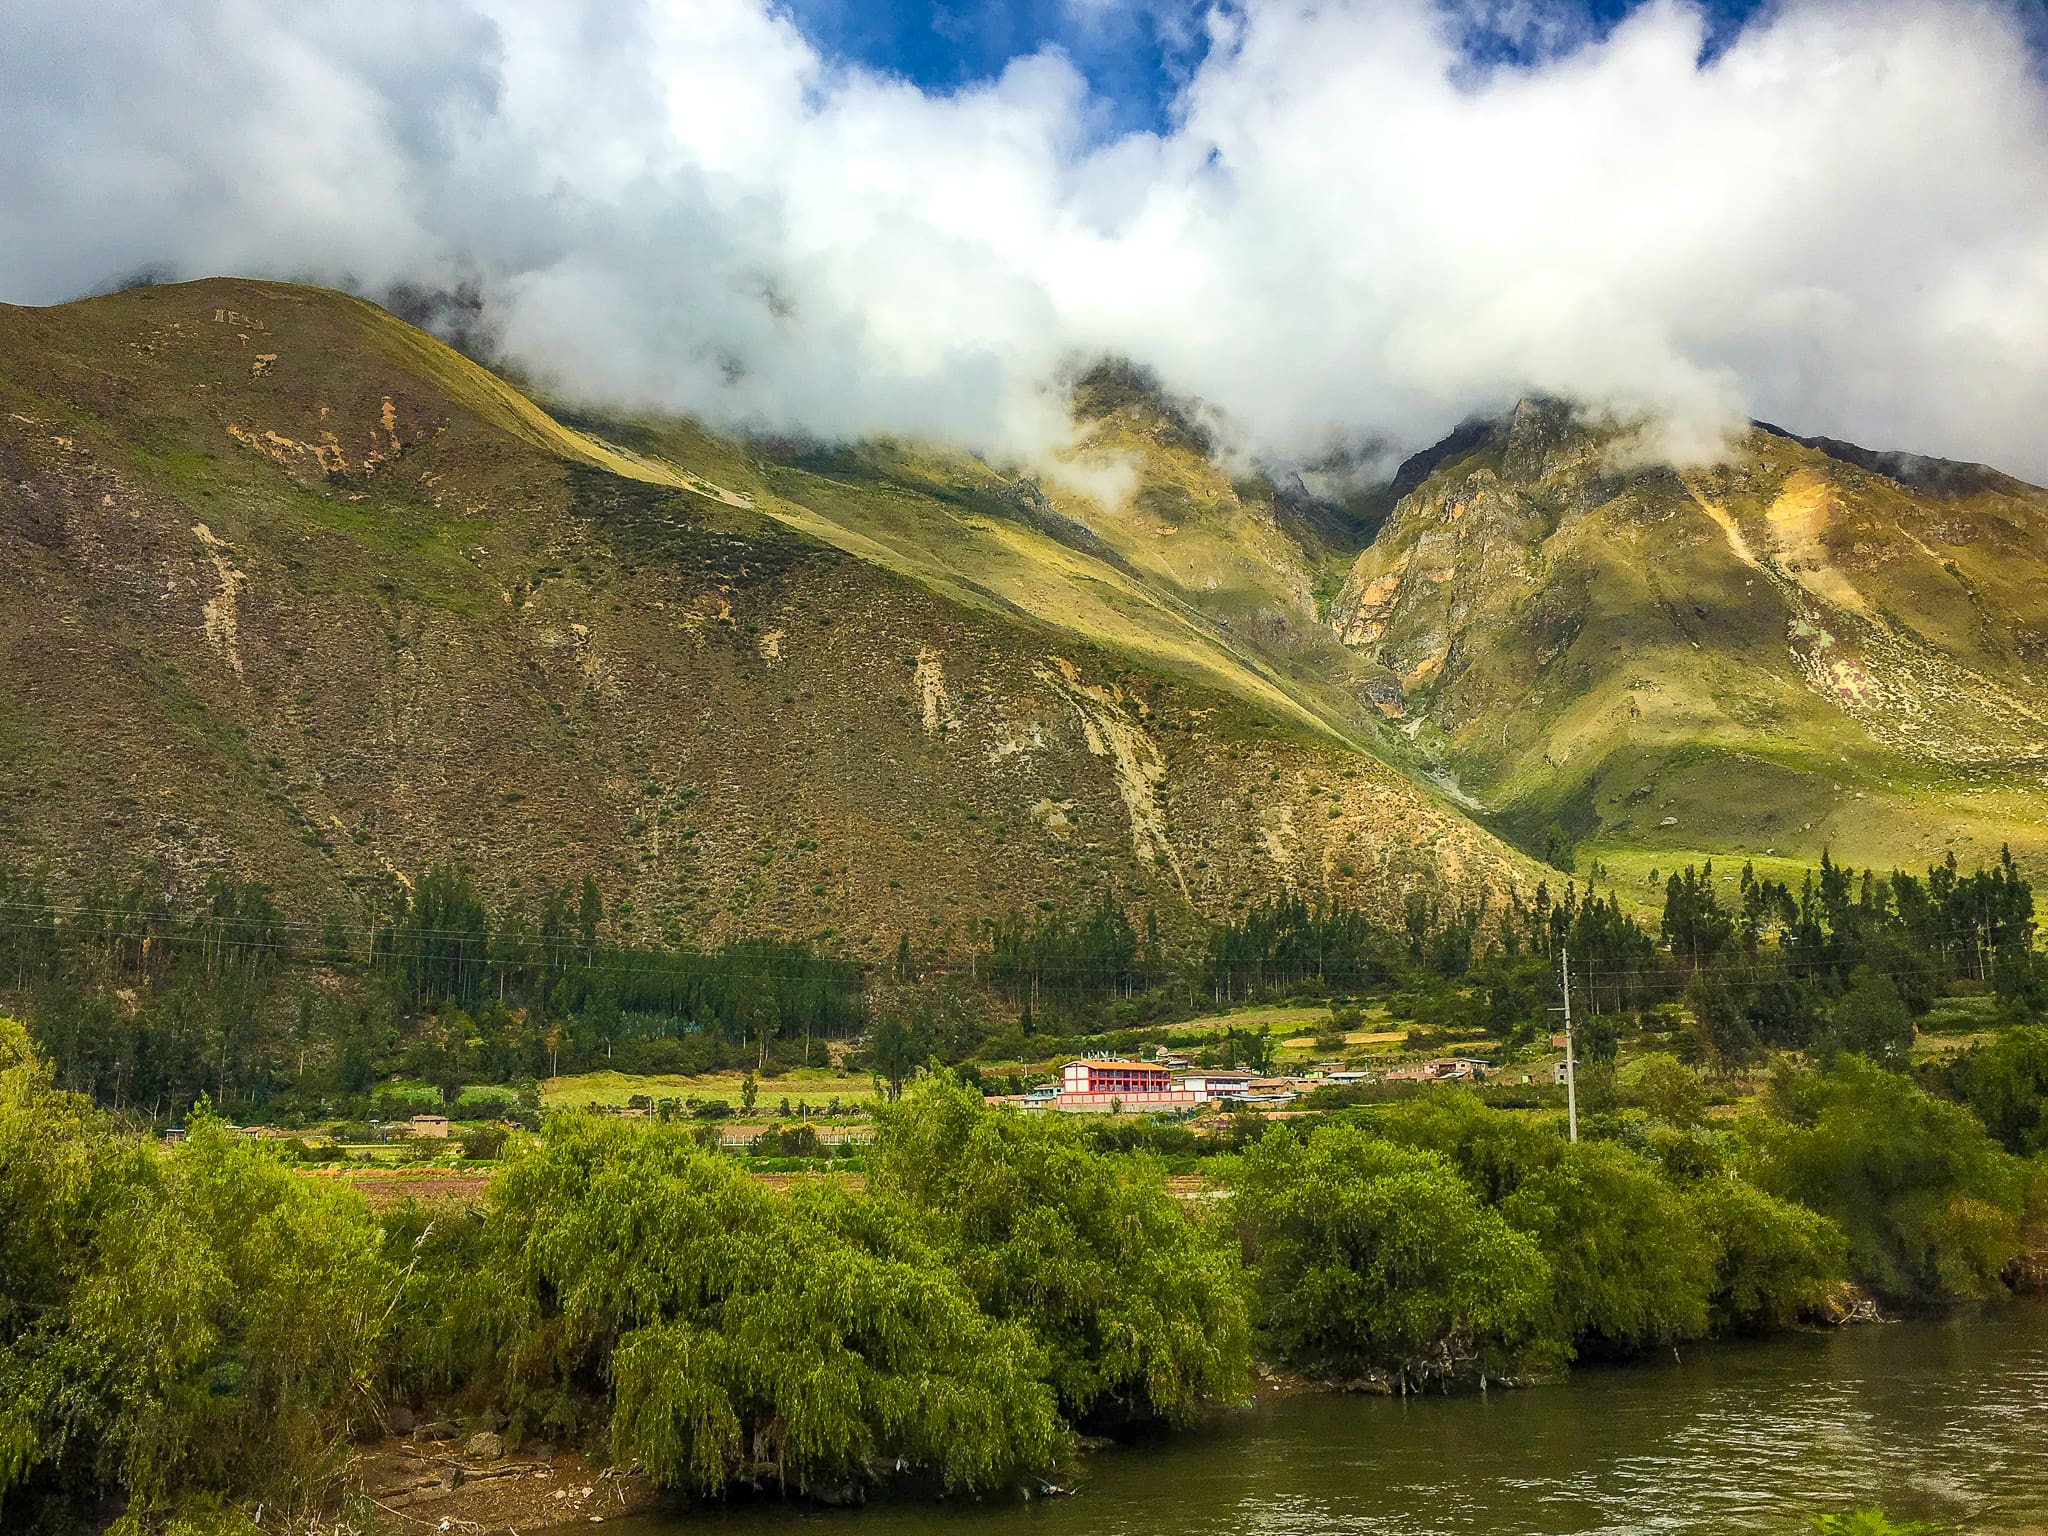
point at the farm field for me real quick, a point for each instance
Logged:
(815, 1086)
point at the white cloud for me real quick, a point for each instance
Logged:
(1839, 222)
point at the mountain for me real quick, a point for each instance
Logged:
(294, 592)
(1809, 646)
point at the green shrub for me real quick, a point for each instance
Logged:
(1774, 1261)
(482, 1143)
(1668, 1089)
(1629, 1265)
(201, 1322)
(2005, 1081)
(1930, 1204)
(1870, 1522)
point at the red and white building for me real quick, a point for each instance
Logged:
(1097, 1085)
(1096, 1075)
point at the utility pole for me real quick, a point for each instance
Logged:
(1571, 1066)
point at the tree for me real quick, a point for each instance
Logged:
(589, 914)
(1696, 926)
(1872, 1021)
(1371, 1256)
(2005, 1083)
(1930, 1204)
(199, 1324)
(1774, 1261)
(1598, 1039)
(749, 1092)
(1720, 1024)
(1628, 1264)
(809, 1340)
(1140, 1314)
(898, 1047)
(1669, 1090)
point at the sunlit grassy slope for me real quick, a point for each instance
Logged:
(997, 541)
(1778, 654)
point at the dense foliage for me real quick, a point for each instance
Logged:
(145, 1004)
(146, 1007)
(185, 1325)
(1141, 1312)
(810, 1340)
(192, 1323)
(1931, 1206)
(1442, 1240)
(2004, 1081)
(1372, 1256)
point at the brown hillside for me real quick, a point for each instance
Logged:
(294, 592)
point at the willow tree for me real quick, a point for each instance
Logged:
(173, 1328)
(1372, 1256)
(1141, 1311)
(806, 1341)
(1631, 1265)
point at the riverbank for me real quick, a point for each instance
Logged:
(466, 1483)
(474, 1488)
(1932, 1419)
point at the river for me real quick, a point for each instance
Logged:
(1943, 1420)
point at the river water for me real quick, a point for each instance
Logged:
(1941, 1420)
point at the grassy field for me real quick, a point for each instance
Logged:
(815, 1086)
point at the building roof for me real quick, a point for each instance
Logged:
(1118, 1063)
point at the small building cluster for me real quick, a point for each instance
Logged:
(1445, 1069)
(1101, 1085)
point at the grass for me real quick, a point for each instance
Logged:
(816, 1086)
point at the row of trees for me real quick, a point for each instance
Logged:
(1064, 960)
(144, 1005)
(1845, 962)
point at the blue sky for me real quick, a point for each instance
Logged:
(1136, 53)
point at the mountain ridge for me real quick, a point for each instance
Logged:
(296, 594)
(1755, 646)
(291, 559)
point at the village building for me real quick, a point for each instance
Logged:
(1110, 1075)
(431, 1127)
(1216, 1085)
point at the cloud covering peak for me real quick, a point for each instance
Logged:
(1350, 232)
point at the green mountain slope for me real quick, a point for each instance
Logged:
(1193, 572)
(1808, 646)
(294, 592)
